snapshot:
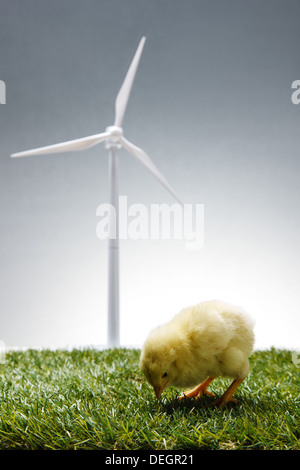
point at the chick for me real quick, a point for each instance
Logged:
(202, 342)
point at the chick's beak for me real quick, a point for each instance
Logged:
(158, 389)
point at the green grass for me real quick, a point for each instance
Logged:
(99, 400)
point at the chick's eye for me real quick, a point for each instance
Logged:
(164, 375)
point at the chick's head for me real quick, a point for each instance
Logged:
(158, 363)
(159, 371)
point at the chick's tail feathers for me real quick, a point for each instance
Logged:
(234, 362)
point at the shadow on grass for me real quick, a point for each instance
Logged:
(188, 404)
(205, 405)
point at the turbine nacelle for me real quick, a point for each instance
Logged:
(114, 139)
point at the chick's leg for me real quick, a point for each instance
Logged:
(199, 390)
(227, 396)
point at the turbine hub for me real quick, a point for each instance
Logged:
(114, 138)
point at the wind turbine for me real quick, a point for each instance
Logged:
(113, 136)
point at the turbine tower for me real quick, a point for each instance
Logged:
(113, 136)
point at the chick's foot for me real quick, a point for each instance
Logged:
(198, 391)
(227, 396)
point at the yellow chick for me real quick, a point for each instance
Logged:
(202, 342)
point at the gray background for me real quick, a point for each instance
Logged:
(211, 105)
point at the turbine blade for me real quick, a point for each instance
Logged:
(77, 144)
(143, 158)
(123, 95)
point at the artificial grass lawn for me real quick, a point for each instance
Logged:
(99, 400)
